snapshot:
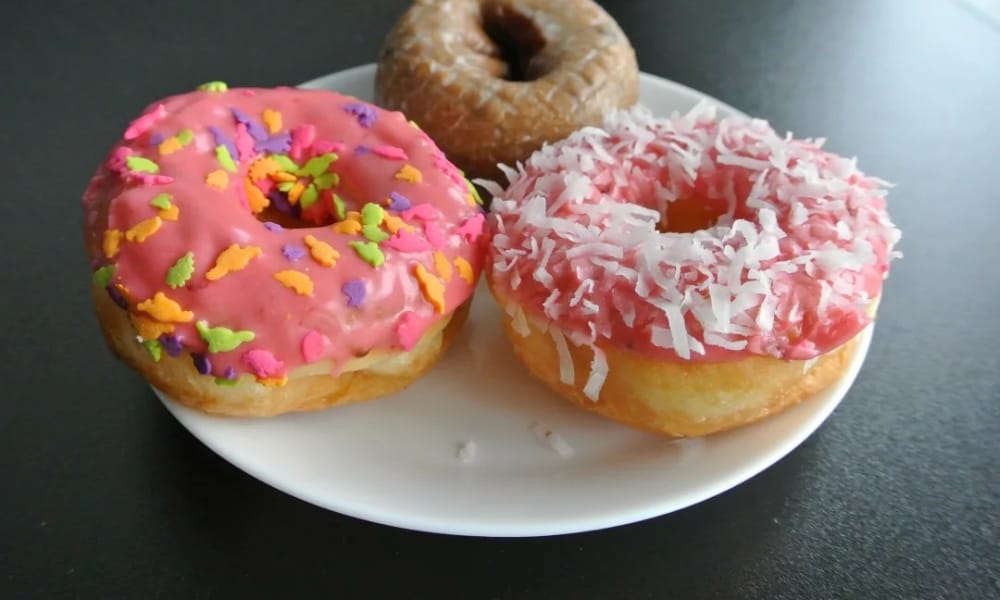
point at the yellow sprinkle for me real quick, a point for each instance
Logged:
(347, 226)
(232, 259)
(393, 224)
(272, 119)
(295, 280)
(464, 270)
(322, 252)
(353, 215)
(295, 193)
(255, 198)
(217, 179)
(169, 146)
(432, 288)
(164, 309)
(409, 174)
(281, 176)
(143, 229)
(113, 239)
(170, 214)
(470, 200)
(150, 329)
(274, 381)
(442, 265)
(262, 167)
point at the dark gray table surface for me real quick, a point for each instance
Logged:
(104, 495)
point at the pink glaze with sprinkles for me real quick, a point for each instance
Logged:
(788, 270)
(382, 236)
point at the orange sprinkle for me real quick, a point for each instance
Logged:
(232, 259)
(281, 176)
(348, 226)
(113, 239)
(464, 270)
(170, 214)
(470, 199)
(217, 179)
(272, 119)
(295, 193)
(164, 309)
(150, 329)
(431, 286)
(274, 381)
(262, 167)
(442, 265)
(124, 292)
(295, 280)
(322, 252)
(169, 146)
(409, 174)
(255, 198)
(143, 229)
(393, 224)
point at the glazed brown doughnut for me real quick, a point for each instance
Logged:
(492, 80)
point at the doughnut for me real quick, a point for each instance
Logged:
(261, 251)
(491, 80)
(687, 275)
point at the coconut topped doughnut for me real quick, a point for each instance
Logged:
(260, 230)
(692, 238)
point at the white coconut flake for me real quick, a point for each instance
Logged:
(552, 439)
(566, 371)
(466, 452)
(598, 374)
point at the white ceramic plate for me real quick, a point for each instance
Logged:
(396, 460)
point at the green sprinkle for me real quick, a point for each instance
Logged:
(327, 181)
(317, 165)
(339, 208)
(154, 349)
(474, 192)
(185, 137)
(224, 381)
(161, 201)
(179, 274)
(213, 86)
(414, 124)
(141, 165)
(373, 233)
(284, 186)
(222, 155)
(102, 276)
(309, 196)
(372, 214)
(285, 163)
(222, 339)
(369, 252)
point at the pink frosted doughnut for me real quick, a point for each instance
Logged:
(697, 247)
(258, 251)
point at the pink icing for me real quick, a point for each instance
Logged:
(145, 122)
(290, 328)
(390, 152)
(796, 254)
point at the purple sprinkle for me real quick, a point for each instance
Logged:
(279, 201)
(222, 140)
(229, 373)
(399, 202)
(355, 292)
(364, 113)
(254, 128)
(277, 144)
(202, 364)
(361, 150)
(272, 226)
(293, 252)
(156, 139)
(171, 345)
(117, 297)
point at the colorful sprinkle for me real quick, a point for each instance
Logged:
(185, 136)
(361, 150)
(364, 112)
(282, 177)
(390, 152)
(393, 224)
(464, 270)
(171, 344)
(162, 308)
(150, 329)
(309, 196)
(156, 139)
(161, 201)
(326, 146)
(474, 192)
(154, 349)
(169, 146)
(435, 236)
(143, 229)
(405, 241)
(442, 266)
(213, 86)
(202, 363)
(244, 143)
(145, 122)
(117, 297)
(399, 202)
(148, 178)
(225, 158)
(138, 164)
(355, 291)
(262, 167)
(409, 174)
(179, 274)
(339, 209)
(226, 382)
(272, 120)
(317, 165)
(431, 286)
(369, 252)
(222, 339)
(293, 252)
(407, 330)
(254, 128)
(302, 137)
(321, 252)
(372, 214)
(347, 226)
(217, 179)
(274, 381)
(372, 233)
(296, 281)
(263, 363)
(232, 259)
(103, 275)
(170, 214)
(312, 346)
(472, 228)
(326, 181)
(255, 198)
(294, 192)
(272, 226)
(112, 240)
(284, 163)
(423, 212)
(278, 143)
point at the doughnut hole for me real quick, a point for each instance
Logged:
(516, 41)
(292, 216)
(690, 214)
